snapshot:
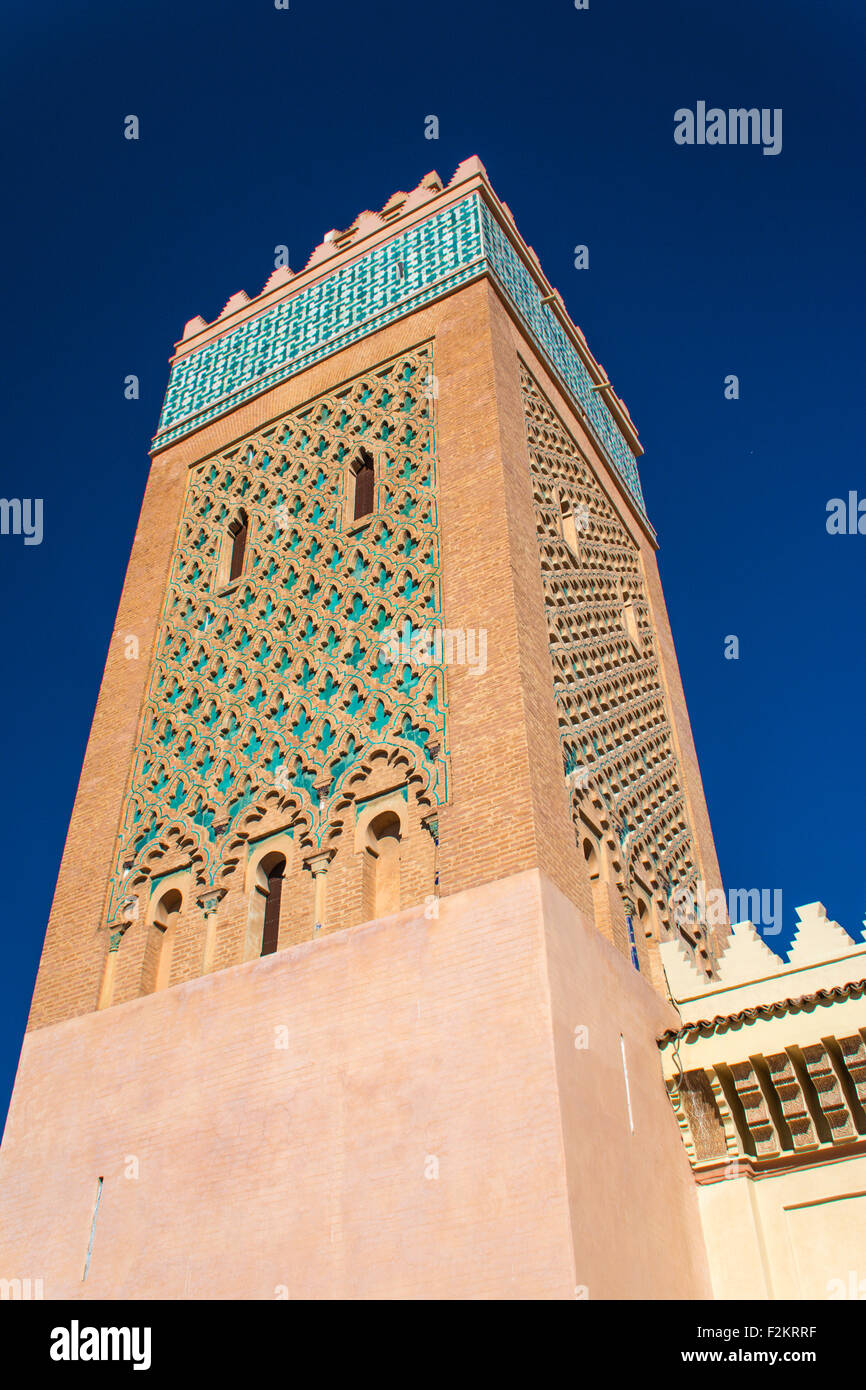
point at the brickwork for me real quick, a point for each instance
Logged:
(498, 818)
(77, 939)
(507, 808)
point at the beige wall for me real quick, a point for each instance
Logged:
(408, 1040)
(795, 1235)
(776, 1129)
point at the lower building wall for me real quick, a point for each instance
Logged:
(374, 1114)
(634, 1209)
(799, 1234)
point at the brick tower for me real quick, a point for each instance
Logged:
(352, 984)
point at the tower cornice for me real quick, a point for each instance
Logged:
(420, 247)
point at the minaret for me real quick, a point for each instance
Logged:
(353, 964)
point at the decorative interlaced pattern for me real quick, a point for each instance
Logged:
(616, 738)
(285, 679)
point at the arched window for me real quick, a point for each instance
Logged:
(628, 618)
(238, 530)
(567, 525)
(363, 477)
(383, 859)
(590, 854)
(271, 928)
(156, 970)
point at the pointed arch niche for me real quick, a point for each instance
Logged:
(169, 897)
(233, 549)
(361, 487)
(267, 869)
(381, 828)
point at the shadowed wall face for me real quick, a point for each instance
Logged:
(618, 753)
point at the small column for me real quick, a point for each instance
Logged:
(128, 914)
(209, 901)
(318, 867)
(630, 917)
(431, 825)
(106, 990)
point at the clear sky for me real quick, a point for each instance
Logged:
(261, 127)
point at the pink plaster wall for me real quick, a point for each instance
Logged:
(634, 1206)
(263, 1169)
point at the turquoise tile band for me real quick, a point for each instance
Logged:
(418, 265)
(548, 334)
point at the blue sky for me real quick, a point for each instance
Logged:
(262, 127)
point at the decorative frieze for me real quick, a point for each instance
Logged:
(829, 1092)
(785, 1104)
(755, 1111)
(419, 264)
(795, 1111)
